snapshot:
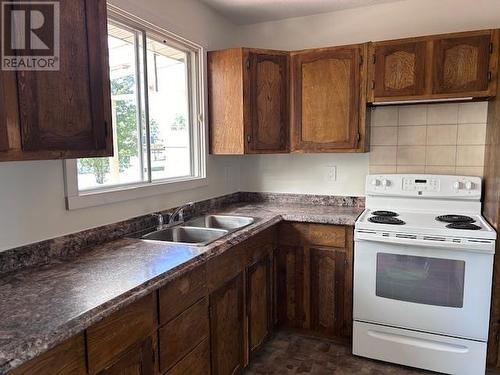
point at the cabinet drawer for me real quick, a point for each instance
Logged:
(116, 333)
(225, 267)
(195, 363)
(178, 295)
(67, 358)
(181, 335)
(294, 234)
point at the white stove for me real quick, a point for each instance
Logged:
(423, 263)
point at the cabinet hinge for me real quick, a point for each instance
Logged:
(248, 63)
(489, 76)
(249, 139)
(491, 47)
(373, 84)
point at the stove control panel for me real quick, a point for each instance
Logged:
(432, 186)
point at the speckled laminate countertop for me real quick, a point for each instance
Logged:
(43, 306)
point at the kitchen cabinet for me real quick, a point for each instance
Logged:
(65, 113)
(210, 319)
(226, 327)
(259, 302)
(446, 66)
(113, 336)
(314, 279)
(328, 88)
(248, 101)
(137, 361)
(67, 358)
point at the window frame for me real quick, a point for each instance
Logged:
(197, 88)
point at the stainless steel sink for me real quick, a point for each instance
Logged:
(229, 223)
(187, 235)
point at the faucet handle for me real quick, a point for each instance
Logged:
(159, 217)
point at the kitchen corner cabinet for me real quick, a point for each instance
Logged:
(328, 100)
(66, 113)
(436, 67)
(314, 279)
(248, 101)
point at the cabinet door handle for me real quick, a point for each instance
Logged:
(249, 139)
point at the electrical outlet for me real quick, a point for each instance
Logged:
(330, 173)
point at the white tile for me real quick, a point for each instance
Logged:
(384, 136)
(411, 155)
(441, 155)
(442, 114)
(413, 115)
(382, 169)
(384, 116)
(383, 155)
(442, 134)
(470, 156)
(473, 113)
(411, 169)
(471, 134)
(470, 171)
(411, 135)
(440, 169)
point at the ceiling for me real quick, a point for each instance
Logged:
(243, 12)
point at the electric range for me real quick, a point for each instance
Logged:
(423, 263)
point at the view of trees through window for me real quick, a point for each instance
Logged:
(168, 136)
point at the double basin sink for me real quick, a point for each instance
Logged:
(202, 230)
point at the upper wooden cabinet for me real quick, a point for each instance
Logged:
(64, 113)
(435, 67)
(328, 99)
(248, 100)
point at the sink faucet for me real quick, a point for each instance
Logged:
(160, 221)
(179, 212)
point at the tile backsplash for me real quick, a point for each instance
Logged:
(444, 138)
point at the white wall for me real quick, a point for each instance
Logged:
(32, 193)
(306, 174)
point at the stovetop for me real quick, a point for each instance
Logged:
(425, 222)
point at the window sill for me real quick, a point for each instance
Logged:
(125, 193)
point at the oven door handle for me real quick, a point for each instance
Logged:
(418, 342)
(468, 245)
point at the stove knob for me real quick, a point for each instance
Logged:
(469, 185)
(457, 185)
(386, 183)
(375, 182)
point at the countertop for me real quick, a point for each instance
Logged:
(43, 306)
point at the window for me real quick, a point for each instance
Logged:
(157, 106)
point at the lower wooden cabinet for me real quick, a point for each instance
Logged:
(259, 302)
(195, 363)
(226, 327)
(212, 319)
(139, 360)
(314, 279)
(67, 358)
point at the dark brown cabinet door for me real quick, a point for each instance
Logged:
(289, 286)
(268, 81)
(330, 315)
(226, 327)
(137, 361)
(69, 111)
(259, 303)
(399, 69)
(326, 97)
(461, 64)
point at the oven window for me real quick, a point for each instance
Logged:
(429, 281)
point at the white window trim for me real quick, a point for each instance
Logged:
(76, 199)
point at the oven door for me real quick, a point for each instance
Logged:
(418, 285)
